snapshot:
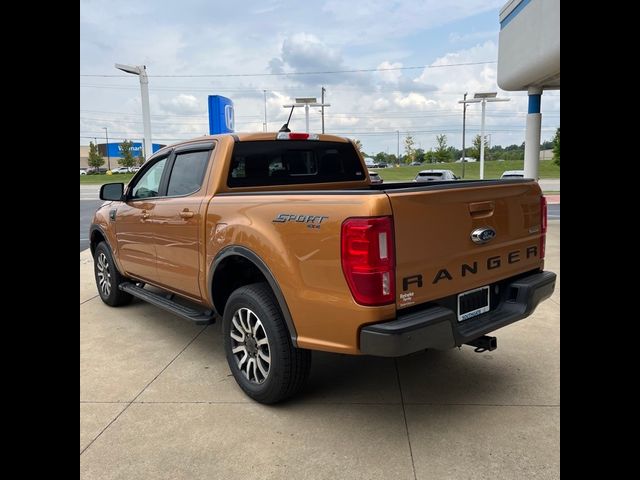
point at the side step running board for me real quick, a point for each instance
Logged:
(198, 317)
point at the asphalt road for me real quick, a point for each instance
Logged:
(553, 211)
(89, 203)
(87, 209)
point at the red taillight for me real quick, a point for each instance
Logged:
(543, 225)
(368, 259)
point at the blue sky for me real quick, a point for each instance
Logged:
(201, 39)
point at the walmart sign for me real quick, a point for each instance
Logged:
(115, 149)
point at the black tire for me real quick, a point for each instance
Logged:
(289, 366)
(103, 265)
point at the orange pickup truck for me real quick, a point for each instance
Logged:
(283, 237)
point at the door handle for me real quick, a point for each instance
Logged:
(145, 215)
(481, 209)
(186, 214)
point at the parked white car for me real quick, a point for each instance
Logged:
(513, 174)
(121, 170)
(83, 171)
(434, 175)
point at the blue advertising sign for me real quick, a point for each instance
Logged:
(221, 115)
(115, 150)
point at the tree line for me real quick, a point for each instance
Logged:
(444, 153)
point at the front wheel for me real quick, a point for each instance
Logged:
(258, 347)
(108, 278)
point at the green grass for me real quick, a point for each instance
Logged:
(492, 169)
(104, 178)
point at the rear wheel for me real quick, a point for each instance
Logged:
(258, 347)
(108, 279)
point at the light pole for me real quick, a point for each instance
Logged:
(265, 110)
(398, 148)
(141, 71)
(307, 102)
(106, 134)
(464, 123)
(483, 98)
(322, 102)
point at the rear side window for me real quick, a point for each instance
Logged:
(187, 173)
(288, 162)
(430, 174)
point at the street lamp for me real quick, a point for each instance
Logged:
(483, 98)
(307, 102)
(464, 102)
(106, 134)
(141, 71)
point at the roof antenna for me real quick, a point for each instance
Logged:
(285, 127)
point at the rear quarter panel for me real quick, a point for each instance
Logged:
(304, 261)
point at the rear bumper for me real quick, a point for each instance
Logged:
(437, 326)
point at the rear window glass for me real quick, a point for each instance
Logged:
(188, 172)
(430, 174)
(288, 162)
(518, 175)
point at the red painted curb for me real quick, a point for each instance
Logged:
(553, 199)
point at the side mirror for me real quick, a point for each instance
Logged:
(112, 191)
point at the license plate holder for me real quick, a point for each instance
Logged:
(473, 303)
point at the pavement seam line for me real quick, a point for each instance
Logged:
(404, 414)
(143, 389)
(89, 299)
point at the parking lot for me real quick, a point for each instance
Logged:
(157, 400)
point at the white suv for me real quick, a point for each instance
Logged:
(513, 174)
(434, 175)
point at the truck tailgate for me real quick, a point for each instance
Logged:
(435, 254)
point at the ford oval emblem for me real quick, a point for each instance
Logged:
(483, 235)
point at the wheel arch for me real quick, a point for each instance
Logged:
(97, 235)
(251, 268)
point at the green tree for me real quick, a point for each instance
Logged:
(429, 156)
(358, 145)
(95, 159)
(442, 150)
(410, 151)
(475, 150)
(127, 159)
(556, 147)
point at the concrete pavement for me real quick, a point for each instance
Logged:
(549, 184)
(157, 400)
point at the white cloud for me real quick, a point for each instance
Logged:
(204, 38)
(181, 105)
(305, 52)
(420, 102)
(389, 76)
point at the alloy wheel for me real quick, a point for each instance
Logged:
(250, 345)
